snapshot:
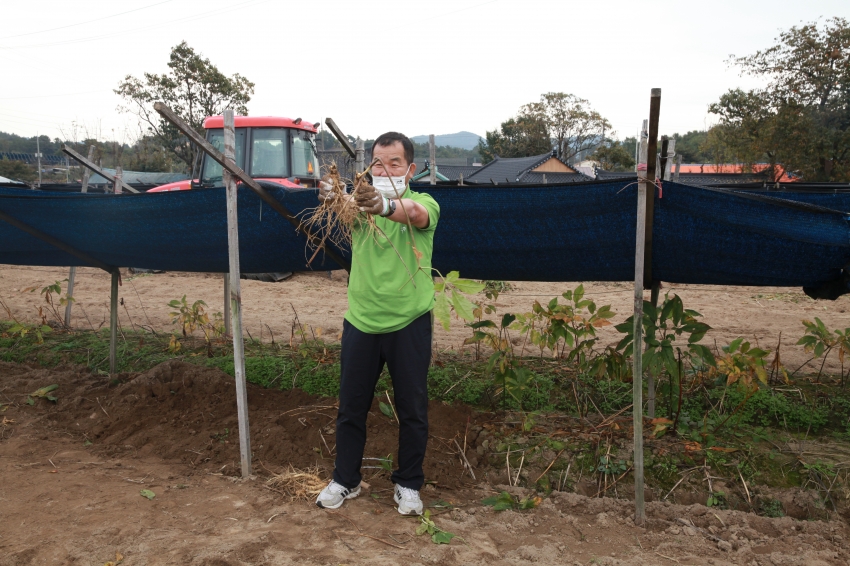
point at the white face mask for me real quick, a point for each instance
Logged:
(387, 186)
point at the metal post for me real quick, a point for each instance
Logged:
(645, 186)
(678, 167)
(113, 324)
(38, 157)
(236, 296)
(432, 153)
(72, 274)
(359, 156)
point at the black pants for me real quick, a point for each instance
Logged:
(407, 353)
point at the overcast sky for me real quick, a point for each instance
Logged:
(415, 67)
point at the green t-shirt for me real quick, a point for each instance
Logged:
(381, 295)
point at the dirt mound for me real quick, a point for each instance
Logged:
(180, 411)
(69, 502)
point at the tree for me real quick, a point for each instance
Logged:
(194, 88)
(571, 123)
(522, 136)
(614, 156)
(690, 146)
(801, 119)
(17, 170)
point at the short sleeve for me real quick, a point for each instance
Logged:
(433, 209)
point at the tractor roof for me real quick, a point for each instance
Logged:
(259, 122)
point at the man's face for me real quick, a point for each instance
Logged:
(392, 162)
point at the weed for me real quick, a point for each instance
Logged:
(48, 292)
(770, 507)
(505, 501)
(428, 526)
(717, 499)
(497, 286)
(820, 341)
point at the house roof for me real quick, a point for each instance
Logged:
(602, 174)
(510, 169)
(452, 172)
(423, 176)
(555, 178)
(722, 178)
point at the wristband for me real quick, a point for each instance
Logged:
(389, 207)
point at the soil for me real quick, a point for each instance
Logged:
(72, 471)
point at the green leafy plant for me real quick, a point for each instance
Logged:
(820, 341)
(21, 329)
(56, 289)
(662, 326)
(428, 526)
(568, 329)
(449, 296)
(505, 501)
(744, 364)
(717, 499)
(189, 317)
(43, 393)
(497, 286)
(771, 508)
(608, 466)
(509, 376)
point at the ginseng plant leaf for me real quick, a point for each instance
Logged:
(468, 286)
(442, 537)
(442, 311)
(463, 306)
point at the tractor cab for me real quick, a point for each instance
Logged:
(280, 150)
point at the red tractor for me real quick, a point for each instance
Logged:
(280, 150)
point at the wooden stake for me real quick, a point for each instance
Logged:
(113, 324)
(236, 295)
(89, 164)
(119, 174)
(359, 156)
(346, 145)
(72, 274)
(432, 154)
(645, 188)
(227, 323)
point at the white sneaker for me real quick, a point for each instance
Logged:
(408, 500)
(335, 494)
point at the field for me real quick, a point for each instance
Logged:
(73, 469)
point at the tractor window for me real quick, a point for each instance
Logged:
(269, 156)
(305, 163)
(212, 171)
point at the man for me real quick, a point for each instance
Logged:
(390, 296)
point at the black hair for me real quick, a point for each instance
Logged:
(390, 138)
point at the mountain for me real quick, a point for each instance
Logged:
(465, 140)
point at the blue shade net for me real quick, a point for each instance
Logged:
(529, 233)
